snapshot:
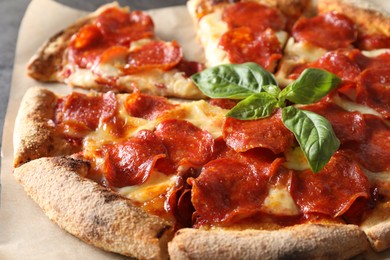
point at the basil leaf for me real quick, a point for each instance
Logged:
(310, 87)
(255, 106)
(314, 134)
(235, 81)
(272, 89)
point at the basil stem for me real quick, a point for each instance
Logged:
(314, 134)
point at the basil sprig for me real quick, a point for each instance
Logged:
(261, 95)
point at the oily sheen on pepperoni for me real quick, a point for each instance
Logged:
(146, 106)
(122, 27)
(244, 45)
(372, 152)
(113, 27)
(187, 144)
(348, 126)
(226, 191)
(153, 55)
(329, 31)
(373, 89)
(366, 62)
(333, 190)
(131, 162)
(83, 112)
(335, 62)
(373, 42)
(256, 16)
(270, 133)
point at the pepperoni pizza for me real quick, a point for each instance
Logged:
(294, 165)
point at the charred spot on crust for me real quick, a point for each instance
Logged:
(71, 163)
(110, 197)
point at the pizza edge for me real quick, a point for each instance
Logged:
(34, 133)
(91, 212)
(308, 241)
(369, 17)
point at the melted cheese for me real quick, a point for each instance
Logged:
(351, 106)
(280, 202)
(157, 184)
(210, 30)
(295, 159)
(205, 116)
(381, 179)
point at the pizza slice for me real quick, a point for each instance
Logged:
(140, 168)
(115, 49)
(245, 31)
(351, 34)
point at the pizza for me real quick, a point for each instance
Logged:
(277, 146)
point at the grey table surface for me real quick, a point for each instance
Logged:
(11, 14)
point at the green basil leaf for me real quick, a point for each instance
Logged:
(272, 89)
(310, 87)
(314, 134)
(235, 81)
(255, 106)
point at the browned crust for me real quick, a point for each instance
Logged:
(370, 18)
(35, 134)
(308, 241)
(291, 8)
(91, 212)
(47, 64)
(377, 227)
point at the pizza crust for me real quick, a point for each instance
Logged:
(35, 134)
(91, 212)
(377, 227)
(307, 241)
(370, 18)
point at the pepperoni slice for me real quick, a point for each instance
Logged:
(224, 103)
(154, 55)
(335, 62)
(187, 144)
(373, 90)
(348, 126)
(147, 106)
(86, 46)
(373, 42)
(329, 31)
(372, 152)
(131, 162)
(122, 27)
(364, 62)
(113, 27)
(270, 133)
(243, 45)
(333, 190)
(81, 112)
(190, 67)
(256, 16)
(226, 191)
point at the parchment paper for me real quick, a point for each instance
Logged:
(25, 231)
